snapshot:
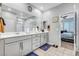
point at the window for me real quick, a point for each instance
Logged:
(69, 24)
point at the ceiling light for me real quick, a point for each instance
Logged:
(42, 8)
(9, 9)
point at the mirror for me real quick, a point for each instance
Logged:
(17, 21)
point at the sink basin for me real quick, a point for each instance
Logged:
(11, 34)
(17, 33)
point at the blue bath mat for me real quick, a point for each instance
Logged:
(45, 47)
(32, 54)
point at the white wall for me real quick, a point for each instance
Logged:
(77, 13)
(57, 11)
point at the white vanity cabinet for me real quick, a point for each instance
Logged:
(12, 49)
(22, 45)
(1, 47)
(35, 41)
(18, 46)
(13, 46)
(27, 44)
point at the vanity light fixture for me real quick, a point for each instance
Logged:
(29, 8)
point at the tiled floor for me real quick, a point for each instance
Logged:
(54, 52)
(67, 45)
(67, 49)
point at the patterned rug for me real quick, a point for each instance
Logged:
(45, 47)
(32, 54)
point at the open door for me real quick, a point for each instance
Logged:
(68, 31)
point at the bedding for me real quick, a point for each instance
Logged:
(67, 35)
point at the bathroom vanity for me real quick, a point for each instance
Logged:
(20, 44)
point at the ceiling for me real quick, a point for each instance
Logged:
(45, 6)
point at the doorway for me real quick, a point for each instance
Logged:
(68, 31)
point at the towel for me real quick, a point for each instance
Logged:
(1, 26)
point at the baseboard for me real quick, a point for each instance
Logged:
(50, 43)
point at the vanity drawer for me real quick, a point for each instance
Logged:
(42, 35)
(35, 46)
(35, 40)
(28, 36)
(36, 35)
(13, 39)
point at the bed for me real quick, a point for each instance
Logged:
(67, 36)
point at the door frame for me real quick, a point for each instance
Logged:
(75, 31)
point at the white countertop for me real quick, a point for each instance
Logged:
(15, 34)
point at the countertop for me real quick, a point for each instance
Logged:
(16, 34)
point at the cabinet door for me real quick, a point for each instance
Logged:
(27, 46)
(1, 47)
(46, 37)
(36, 39)
(43, 39)
(35, 45)
(1, 51)
(36, 42)
(12, 49)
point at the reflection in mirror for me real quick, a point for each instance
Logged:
(10, 17)
(19, 25)
(30, 24)
(17, 21)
